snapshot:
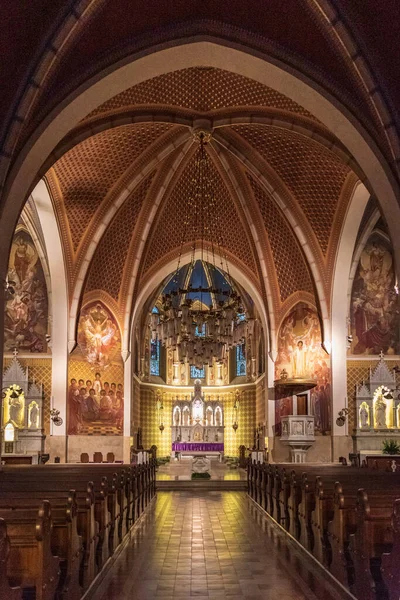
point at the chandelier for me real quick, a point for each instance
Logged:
(200, 334)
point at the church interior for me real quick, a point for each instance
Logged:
(200, 309)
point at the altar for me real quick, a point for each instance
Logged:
(197, 425)
(194, 447)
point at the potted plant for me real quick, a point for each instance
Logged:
(391, 447)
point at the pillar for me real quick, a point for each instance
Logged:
(58, 300)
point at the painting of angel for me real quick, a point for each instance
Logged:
(98, 335)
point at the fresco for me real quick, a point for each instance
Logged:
(95, 400)
(95, 393)
(300, 353)
(26, 306)
(374, 304)
(98, 336)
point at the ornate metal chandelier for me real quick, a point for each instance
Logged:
(200, 335)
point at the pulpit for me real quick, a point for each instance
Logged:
(298, 434)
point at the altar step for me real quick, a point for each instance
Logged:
(238, 485)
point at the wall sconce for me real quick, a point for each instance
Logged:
(55, 417)
(236, 407)
(160, 409)
(341, 419)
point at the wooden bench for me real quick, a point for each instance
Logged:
(93, 507)
(66, 543)
(31, 564)
(6, 591)
(324, 508)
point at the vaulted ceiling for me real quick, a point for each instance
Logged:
(125, 172)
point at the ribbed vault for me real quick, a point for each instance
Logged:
(126, 174)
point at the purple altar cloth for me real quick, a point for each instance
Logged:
(196, 447)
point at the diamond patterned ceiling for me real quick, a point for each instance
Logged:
(290, 266)
(313, 174)
(89, 170)
(177, 221)
(90, 176)
(201, 89)
(108, 263)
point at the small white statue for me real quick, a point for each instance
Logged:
(380, 413)
(34, 416)
(363, 415)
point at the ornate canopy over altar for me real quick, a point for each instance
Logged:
(377, 408)
(197, 424)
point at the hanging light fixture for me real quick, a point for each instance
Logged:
(200, 335)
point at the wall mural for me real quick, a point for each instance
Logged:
(300, 353)
(96, 393)
(26, 310)
(98, 336)
(374, 304)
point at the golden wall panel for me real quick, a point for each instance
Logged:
(40, 371)
(150, 422)
(357, 372)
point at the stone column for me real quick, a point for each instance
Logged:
(58, 301)
(128, 400)
(341, 437)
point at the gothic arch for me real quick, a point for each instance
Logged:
(134, 69)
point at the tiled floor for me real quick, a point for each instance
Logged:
(204, 545)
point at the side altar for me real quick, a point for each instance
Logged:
(377, 409)
(22, 432)
(197, 425)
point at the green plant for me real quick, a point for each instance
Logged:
(391, 447)
(201, 476)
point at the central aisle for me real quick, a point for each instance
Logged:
(203, 545)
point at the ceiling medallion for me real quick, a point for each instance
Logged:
(200, 334)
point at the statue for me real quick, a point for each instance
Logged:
(299, 361)
(380, 412)
(34, 416)
(176, 416)
(15, 409)
(364, 415)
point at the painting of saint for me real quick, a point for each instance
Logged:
(26, 308)
(98, 336)
(300, 353)
(97, 409)
(374, 302)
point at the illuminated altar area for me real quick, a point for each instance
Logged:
(377, 409)
(22, 414)
(197, 425)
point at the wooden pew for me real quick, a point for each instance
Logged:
(31, 563)
(55, 479)
(120, 495)
(372, 538)
(391, 560)
(86, 524)
(93, 514)
(322, 515)
(66, 543)
(6, 591)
